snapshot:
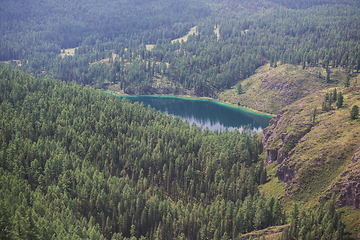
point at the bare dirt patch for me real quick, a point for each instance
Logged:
(68, 51)
(192, 31)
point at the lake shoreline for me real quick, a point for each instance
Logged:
(195, 98)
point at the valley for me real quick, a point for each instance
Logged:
(77, 162)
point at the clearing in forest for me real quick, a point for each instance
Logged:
(185, 38)
(68, 51)
(182, 39)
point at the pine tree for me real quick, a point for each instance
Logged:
(330, 101)
(340, 100)
(239, 88)
(328, 74)
(347, 82)
(32, 231)
(314, 115)
(6, 224)
(354, 113)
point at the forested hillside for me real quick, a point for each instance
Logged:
(104, 49)
(78, 163)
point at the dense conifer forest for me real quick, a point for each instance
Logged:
(77, 163)
(227, 47)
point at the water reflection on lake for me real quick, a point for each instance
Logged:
(209, 114)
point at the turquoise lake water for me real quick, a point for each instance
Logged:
(210, 114)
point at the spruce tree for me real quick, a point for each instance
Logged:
(340, 100)
(354, 113)
(327, 74)
(334, 95)
(239, 88)
(314, 115)
(6, 224)
(330, 101)
(347, 82)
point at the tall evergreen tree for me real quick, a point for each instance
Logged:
(354, 112)
(239, 88)
(340, 100)
(347, 81)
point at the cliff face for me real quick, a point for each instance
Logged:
(280, 143)
(347, 185)
(316, 158)
(350, 187)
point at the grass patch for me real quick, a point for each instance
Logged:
(217, 31)
(68, 51)
(320, 156)
(150, 46)
(273, 188)
(351, 218)
(185, 38)
(271, 89)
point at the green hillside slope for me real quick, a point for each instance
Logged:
(271, 89)
(315, 159)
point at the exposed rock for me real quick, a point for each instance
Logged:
(285, 172)
(266, 134)
(272, 155)
(281, 157)
(350, 194)
(350, 186)
(284, 150)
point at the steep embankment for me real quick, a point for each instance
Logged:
(271, 89)
(312, 160)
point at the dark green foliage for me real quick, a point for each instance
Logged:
(6, 224)
(354, 112)
(323, 223)
(313, 116)
(326, 104)
(334, 95)
(203, 64)
(340, 100)
(347, 82)
(328, 72)
(79, 163)
(329, 99)
(239, 88)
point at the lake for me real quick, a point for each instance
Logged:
(210, 114)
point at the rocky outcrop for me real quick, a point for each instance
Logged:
(285, 172)
(350, 184)
(287, 140)
(347, 184)
(271, 156)
(350, 194)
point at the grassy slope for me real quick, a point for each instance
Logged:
(271, 89)
(321, 155)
